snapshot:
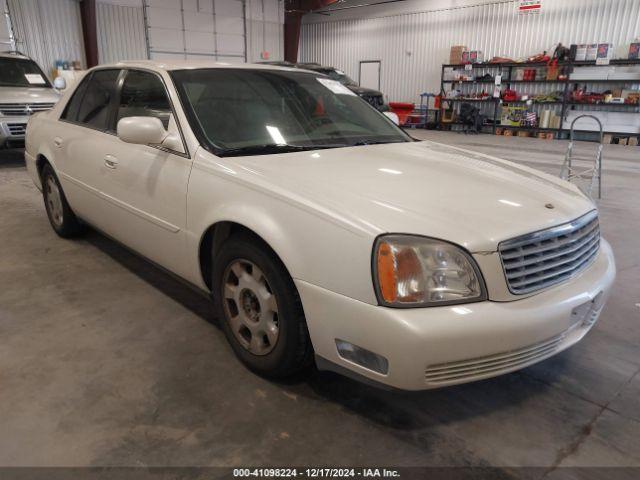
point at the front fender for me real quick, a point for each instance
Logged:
(313, 246)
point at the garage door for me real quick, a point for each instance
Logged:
(192, 29)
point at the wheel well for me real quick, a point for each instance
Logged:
(41, 161)
(213, 239)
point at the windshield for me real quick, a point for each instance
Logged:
(339, 76)
(20, 72)
(253, 111)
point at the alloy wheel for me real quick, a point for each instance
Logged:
(54, 201)
(251, 307)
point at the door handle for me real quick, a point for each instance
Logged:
(57, 142)
(110, 161)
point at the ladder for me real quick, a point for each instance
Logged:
(571, 173)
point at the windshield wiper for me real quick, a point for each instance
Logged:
(271, 148)
(373, 142)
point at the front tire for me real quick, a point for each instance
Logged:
(260, 308)
(61, 217)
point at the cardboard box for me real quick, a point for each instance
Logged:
(633, 141)
(592, 52)
(455, 56)
(581, 53)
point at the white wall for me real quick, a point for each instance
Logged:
(120, 26)
(412, 39)
(6, 37)
(48, 30)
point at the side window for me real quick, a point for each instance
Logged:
(143, 95)
(71, 110)
(94, 111)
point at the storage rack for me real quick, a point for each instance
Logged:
(507, 69)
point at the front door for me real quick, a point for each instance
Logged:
(146, 185)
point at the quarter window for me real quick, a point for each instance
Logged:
(143, 95)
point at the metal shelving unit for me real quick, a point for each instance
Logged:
(507, 69)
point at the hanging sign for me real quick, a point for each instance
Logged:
(529, 7)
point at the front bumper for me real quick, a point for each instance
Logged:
(440, 346)
(12, 131)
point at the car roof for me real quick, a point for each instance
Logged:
(14, 54)
(171, 65)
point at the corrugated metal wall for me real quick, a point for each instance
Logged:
(412, 47)
(120, 33)
(6, 36)
(48, 30)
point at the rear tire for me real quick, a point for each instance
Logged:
(61, 217)
(260, 309)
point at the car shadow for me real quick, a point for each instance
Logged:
(11, 158)
(189, 297)
(393, 409)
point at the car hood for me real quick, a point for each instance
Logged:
(370, 92)
(422, 188)
(28, 95)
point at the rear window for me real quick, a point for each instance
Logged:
(20, 72)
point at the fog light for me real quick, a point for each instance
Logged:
(362, 357)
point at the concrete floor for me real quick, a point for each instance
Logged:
(105, 360)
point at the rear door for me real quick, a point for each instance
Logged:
(82, 142)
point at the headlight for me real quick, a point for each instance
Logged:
(413, 271)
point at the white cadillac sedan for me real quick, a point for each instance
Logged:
(321, 230)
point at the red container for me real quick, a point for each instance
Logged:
(403, 110)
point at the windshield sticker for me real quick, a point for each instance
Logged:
(335, 86)
(34, 78)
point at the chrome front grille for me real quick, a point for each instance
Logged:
(547, 257)
(492, 364)
(23, 109)
(18, 129)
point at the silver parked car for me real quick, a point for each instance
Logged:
(24, 90)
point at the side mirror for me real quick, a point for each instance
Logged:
(141, 130)
(60, 83)
(393, 117)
